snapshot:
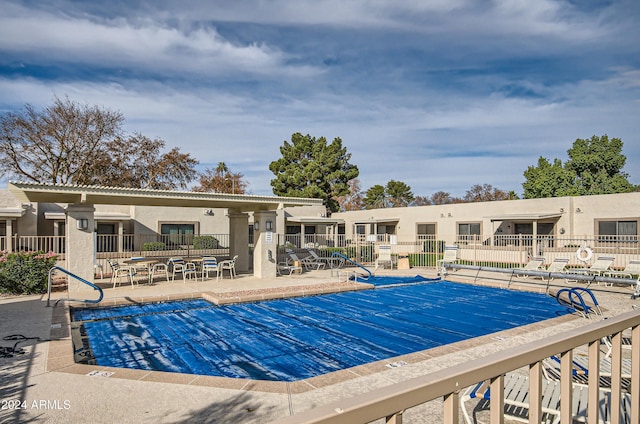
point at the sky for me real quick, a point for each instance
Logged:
(439, 94)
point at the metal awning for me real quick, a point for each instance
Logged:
(99, 216)
(373, 220)
(525, 216)
(315, 220)
(102, 195)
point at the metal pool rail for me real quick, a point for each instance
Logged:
(391, 402)
(82, 280)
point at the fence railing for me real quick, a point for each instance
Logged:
(499, 251)
(392, 402)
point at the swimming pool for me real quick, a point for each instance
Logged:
(298, 338)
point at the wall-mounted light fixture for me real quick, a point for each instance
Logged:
(256, 226)
(561, 210)
(561, 230)
(82, 224)
(269, 226)
(578, 210)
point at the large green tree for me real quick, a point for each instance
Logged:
(73, 143)
(594, 167)
(312, 168)
(394, 194)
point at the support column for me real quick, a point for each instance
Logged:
(265, 253)
(239, 240)
(80, 250)
(9, 232)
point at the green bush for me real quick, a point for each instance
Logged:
(25, 272)
(153, 246)
(205, 242)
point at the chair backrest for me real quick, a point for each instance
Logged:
(633, 267)
(558, 264)
(450, 253)
(602, 263)
(384, 252)
(209, 262)
(535, 263)
(313, 253)
(113, 264)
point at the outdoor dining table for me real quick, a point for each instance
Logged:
(139, 263)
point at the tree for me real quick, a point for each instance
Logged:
(597, 164)
(399, 194)
(421, 201)
(312, 168)
(137, 162)
(352, 201)
(71, 143)
(484, 193)
(594, 167)
(221, 180)
(548, 180)
(394, 194)
(441, 198)
(375, 197)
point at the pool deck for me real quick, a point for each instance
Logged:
(43, 384)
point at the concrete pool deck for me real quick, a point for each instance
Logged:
(43, 384)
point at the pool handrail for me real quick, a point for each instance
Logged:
(577, 303)
(347, 259)
(82, 280)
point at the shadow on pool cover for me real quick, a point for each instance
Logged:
(299, 338)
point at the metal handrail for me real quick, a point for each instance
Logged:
(392, 401)
(340, 255)
(82, 280)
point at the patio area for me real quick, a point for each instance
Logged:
(43, 384)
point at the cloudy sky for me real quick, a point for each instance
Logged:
(440, 94)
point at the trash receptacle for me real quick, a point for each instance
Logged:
(403, 261)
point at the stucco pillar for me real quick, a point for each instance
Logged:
(239, 240)
(265, 253)
(80, 247)
(9, 232)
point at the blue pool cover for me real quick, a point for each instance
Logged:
(298, 338)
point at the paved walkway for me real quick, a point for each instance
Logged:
(41, 385)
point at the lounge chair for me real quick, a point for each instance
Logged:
(580, 372)
(308, 262)
(331, 261)
(599, 267)
(535, 264)
(558, 265)
(384, 256)
(516, 400)
(631, 271)
(450, 257)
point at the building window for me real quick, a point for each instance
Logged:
(617, 231)
(177, 234)
(468, 232)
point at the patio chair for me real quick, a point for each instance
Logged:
(631, 271)
(118, 271)
(516, 400)
(332, 261)
(580, 370)
(210, 264)
(229, 265)
(384, 256)
(450, 257)
(558, 265)
(535, 264)
(601, 265)
(308, 262)
(178, 265)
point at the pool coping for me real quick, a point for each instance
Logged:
(60, 357)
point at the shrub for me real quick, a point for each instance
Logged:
(25, 272)
(153, 246)
(205, 242)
